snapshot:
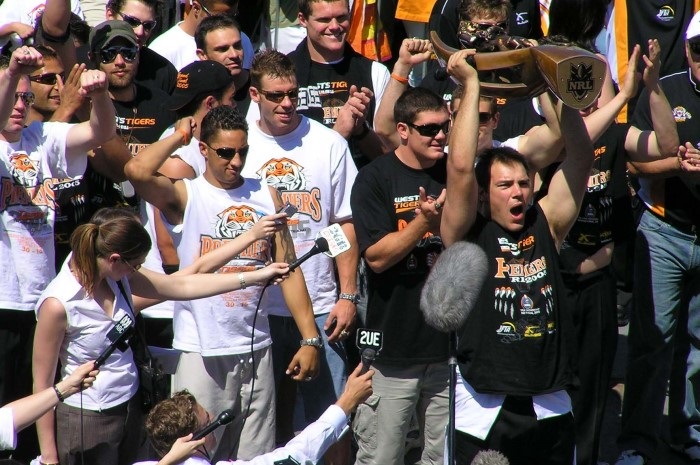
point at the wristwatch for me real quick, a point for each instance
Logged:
(354, 298)
(313, 342)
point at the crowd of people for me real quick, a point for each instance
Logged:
(166, 172)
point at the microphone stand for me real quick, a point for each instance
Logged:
(452, 364)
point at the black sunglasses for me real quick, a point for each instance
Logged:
(47, 78)
(431, 130)
(486, 26)
(109, 54)
(135, 22)
(227, 153)
(484, 117)
(278, 96)
(27, 97)
(695, 47)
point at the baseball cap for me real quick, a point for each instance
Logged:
(106, 32)
(197, 78)
(693, 30)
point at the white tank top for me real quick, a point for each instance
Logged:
(223, 324)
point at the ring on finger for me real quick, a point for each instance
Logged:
(344, 333)
(438, 205)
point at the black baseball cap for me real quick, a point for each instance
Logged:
(105, 32)
(197, 78)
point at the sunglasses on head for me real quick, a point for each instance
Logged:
(484, 117)
(47, 78)
(278, 96)
(431, 130)
(135, 22)
(27, 97)
(109, 54)
(227, 153)
(695, 47)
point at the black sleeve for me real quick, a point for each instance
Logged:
(372, 211)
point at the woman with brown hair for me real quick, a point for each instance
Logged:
(83, 303)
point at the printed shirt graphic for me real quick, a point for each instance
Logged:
(29, 170)
(312, 169)
(512, 342)
(222, 324)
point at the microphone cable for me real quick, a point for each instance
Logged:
(252, 360)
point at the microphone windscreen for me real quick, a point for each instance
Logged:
(322, 245)
(225, 417)
(490, 457)
(453, 285)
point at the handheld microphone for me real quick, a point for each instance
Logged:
(369, 341)
(224, 418)
(453, 286)
(320, 245)
(332, 241)
(490, 457)
(118, 336)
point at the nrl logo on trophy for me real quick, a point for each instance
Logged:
(517, 69)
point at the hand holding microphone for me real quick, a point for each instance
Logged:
(224, 418)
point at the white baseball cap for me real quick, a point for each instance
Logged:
(693, 27)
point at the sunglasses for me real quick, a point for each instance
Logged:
(695, 47)
(49, 79)
(27, 97)
(231, 13)
(278, 96)
(485, 117)
(227, 153)
(474, 26)
(131, 267)
(431, 130)
(135, 22)
(109, 54)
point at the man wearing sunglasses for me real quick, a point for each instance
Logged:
(216, 334)
(396, 205)
(35, 158)
(153, 70)
(311, 166)
(141, 113)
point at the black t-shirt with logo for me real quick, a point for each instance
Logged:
(383, 200)
(518, 339)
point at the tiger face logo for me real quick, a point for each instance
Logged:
(23, 170)
(284, 174)
(234, 221)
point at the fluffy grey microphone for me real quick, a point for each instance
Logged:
(453, 285)
(490, 457)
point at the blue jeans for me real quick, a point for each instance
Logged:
(664, 338)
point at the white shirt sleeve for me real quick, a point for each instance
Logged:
(8, 438)
(380, 80)
(310, 444)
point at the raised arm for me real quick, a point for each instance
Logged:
(663, 140)
(542, 144)
(24, 61)
(102, 124)
(169, 196)
(411, 53)
(459, 211)
(561, 205)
